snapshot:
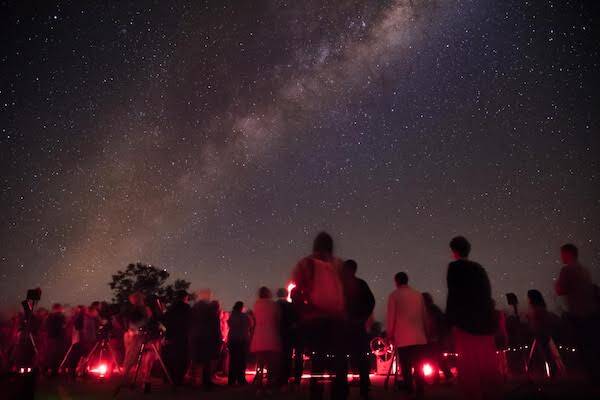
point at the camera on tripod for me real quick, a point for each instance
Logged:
(107, 313)
(153, 330)
(104, 330)
(33, 296)
(26, 352)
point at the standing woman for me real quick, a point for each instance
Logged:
(237, 341)
(266, 341)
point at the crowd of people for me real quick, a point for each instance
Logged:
(327, 321)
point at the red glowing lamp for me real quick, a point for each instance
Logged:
(101, 370)
(427, 370)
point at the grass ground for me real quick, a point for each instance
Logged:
(63, 389)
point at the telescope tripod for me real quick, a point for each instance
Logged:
(146, 345)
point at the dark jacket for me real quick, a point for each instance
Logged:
(205, 331)
(288, 321)
(177, 322)
(55, 325)
(239, 327)
(360, 301)
(470, 306)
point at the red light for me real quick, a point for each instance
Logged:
(100, 370)
(427, 370)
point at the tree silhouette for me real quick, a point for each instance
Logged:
(146, 279)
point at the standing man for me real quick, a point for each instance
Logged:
(406, 330)
(286, 330)
(205, 337)
(319, 299)
(57, 338)
(360, 303)
(176, 350)
(471, 313)
(575, 283)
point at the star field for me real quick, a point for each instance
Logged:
(215, 139)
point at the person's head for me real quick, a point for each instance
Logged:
(238, 306)
(569, 253)
(57, 308)
(282, 293)
(401, 279)
(460, 247)
(323, 244)
(95, 305)
(264, 293)
(350, 267)
(536, 298)
(427, 299)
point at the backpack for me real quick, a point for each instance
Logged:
(324, 293)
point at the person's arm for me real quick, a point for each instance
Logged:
(370, 299)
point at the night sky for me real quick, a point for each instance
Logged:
(216, 138)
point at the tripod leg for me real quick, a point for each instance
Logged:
(84, 362)
(113, 357)
(101, 351)
(530, 358)
(66, 357)
(387, 377)
(89, 355)
(139, 363)
(162, 364)
(35, 349)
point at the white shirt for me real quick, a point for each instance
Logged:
(405, 323)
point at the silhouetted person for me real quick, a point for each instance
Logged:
(76, 324)
(575, 284)
(542, 325)
(319, 298)
(437, 334)
(205, 337)
(238, 339)
(406, 330)
(57, 338)
(136, 315)
(266, 340)
(470, 311)
(287, 331)
(176, 349)
(360, 303)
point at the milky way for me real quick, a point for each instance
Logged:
(215, 139)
